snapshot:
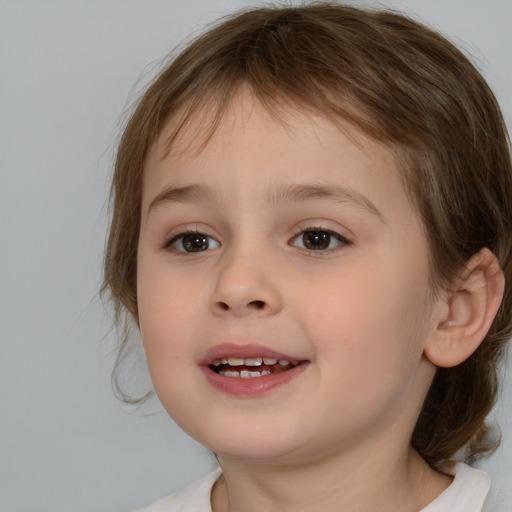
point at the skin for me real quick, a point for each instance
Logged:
(337, 436)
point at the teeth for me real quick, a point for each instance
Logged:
(247, 375)
(236, 361)
(249, 361)
(244, 374)
(230, 374)
(218, 362)
(253, 361)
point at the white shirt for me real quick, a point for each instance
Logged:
(466, 493)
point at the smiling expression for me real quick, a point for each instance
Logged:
(283, 288)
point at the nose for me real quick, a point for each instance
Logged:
(245, 286)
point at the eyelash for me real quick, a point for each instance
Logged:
(170, 244)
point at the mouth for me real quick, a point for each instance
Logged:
(250, 367)
(250, 370)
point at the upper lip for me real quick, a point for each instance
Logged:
(245, 351)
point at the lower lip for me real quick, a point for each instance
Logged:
(252, 386)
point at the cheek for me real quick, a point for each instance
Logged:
(369, 322)
(168, 329)
(368, 348)
(166, 311)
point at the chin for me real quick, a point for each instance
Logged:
(256, 444)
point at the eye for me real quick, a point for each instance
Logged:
(193, 242)
(319, 240)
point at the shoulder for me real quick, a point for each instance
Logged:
(195, 496)
(467, 493)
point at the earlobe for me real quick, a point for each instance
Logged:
(468, 313)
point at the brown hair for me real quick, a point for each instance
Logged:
(398, 82)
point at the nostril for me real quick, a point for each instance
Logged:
(257, 304)
(239, 308)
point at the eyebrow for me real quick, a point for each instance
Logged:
(286, 193)
(173, 194)
(329, 191)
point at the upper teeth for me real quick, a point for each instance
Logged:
(251, 361)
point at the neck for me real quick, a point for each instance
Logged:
(358, 484)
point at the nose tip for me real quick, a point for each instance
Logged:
(242, 287)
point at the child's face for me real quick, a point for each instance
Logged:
(299, 244)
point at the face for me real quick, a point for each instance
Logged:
(283, 288)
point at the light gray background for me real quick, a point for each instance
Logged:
(67, 69)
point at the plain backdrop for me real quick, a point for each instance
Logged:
(68, 68)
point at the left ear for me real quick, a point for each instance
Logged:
(468, 313)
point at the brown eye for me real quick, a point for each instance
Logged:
(194, 242)
(318, 240)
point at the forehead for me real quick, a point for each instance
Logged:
(207, 128)
(249, 143)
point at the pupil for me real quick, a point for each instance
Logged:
(195, 242)
(316, 240)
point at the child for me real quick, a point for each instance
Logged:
(312, 229)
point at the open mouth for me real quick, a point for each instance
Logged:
(250, 367)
